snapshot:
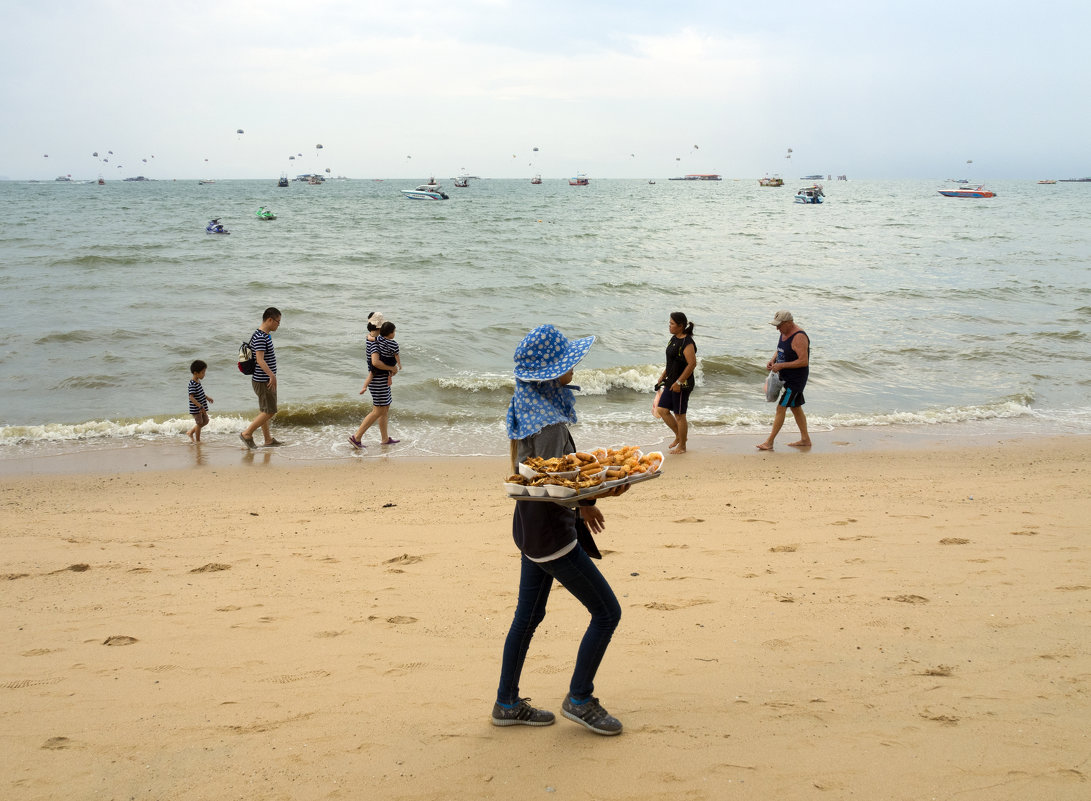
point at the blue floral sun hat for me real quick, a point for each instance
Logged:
(545, 353)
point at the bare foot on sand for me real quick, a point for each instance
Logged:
(803, 443)
(765, 446)
(678, 449)
(190, 435)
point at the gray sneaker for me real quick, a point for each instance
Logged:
(591, 714)
(521, 714)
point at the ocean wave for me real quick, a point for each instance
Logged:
(86, 382)
(591, 382)
(113, 429)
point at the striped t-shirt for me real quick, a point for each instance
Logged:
(262, 341)
(198, 392)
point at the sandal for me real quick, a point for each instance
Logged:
(391, 441)
(249, 441)
(355, 442)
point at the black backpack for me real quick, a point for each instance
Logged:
(247, 362)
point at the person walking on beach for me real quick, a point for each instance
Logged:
(264, 380)
(381, 370)
(676, 380)
(554, 541)
(198, 401)
(790, 362)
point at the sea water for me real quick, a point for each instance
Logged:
(923, 311)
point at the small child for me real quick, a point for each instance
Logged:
(389, 354)
(198, 401)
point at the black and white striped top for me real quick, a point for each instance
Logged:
(197, 391)
(262, 341)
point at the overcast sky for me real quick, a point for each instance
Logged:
(877, 89)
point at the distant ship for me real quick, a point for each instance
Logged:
(1064, 180)
(711, 176)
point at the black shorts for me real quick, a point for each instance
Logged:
(790, 398)
(676, 402)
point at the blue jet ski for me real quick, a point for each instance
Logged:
(215, 227)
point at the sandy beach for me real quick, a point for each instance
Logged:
(881, 624)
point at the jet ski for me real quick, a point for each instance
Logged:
(265, 214)
(215, 227)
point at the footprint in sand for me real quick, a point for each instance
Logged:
(690, 520)
(57, 744)
(783, 549)
(404, 559)
(398, 619)
(20, 684)
(939, 670)
(907, 599)
(1073, 587)
(954, 541)
(119, 639)
(666, 607)
(1025, 533)
(845, 522)
(211, 567)
(293, 677)
(78, 568)
(13, 576)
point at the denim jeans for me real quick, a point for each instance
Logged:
(577, 574)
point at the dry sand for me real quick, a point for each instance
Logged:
(884, 625)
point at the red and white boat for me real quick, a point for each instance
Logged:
(966, 191)
(579, 180)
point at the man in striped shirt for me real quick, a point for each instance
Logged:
(264, 380)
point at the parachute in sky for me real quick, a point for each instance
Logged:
(535, 150)
(969, 161)
(696, 148)
(110, 152)
(144, 160)
(240, 131)
(95, 154)
(327, 169)
(45, 155)
(291, 158)
(318, 147)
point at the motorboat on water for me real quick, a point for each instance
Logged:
(264, 214)
(203, 181)
(1047, 181)
(965, 191)
(101, 181)
(283, 181)
(462, 181)
(774, 180)
(699, 176)
(581, 179)
(812, 177)
(428, 191)
(215, 227)
(537, 179)
(810, 194)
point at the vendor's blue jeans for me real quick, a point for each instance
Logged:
(577, 574)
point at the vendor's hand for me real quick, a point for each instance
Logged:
(592, 518)
(775, 368)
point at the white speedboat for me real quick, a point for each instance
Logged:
(432, 191)
(810, 194)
